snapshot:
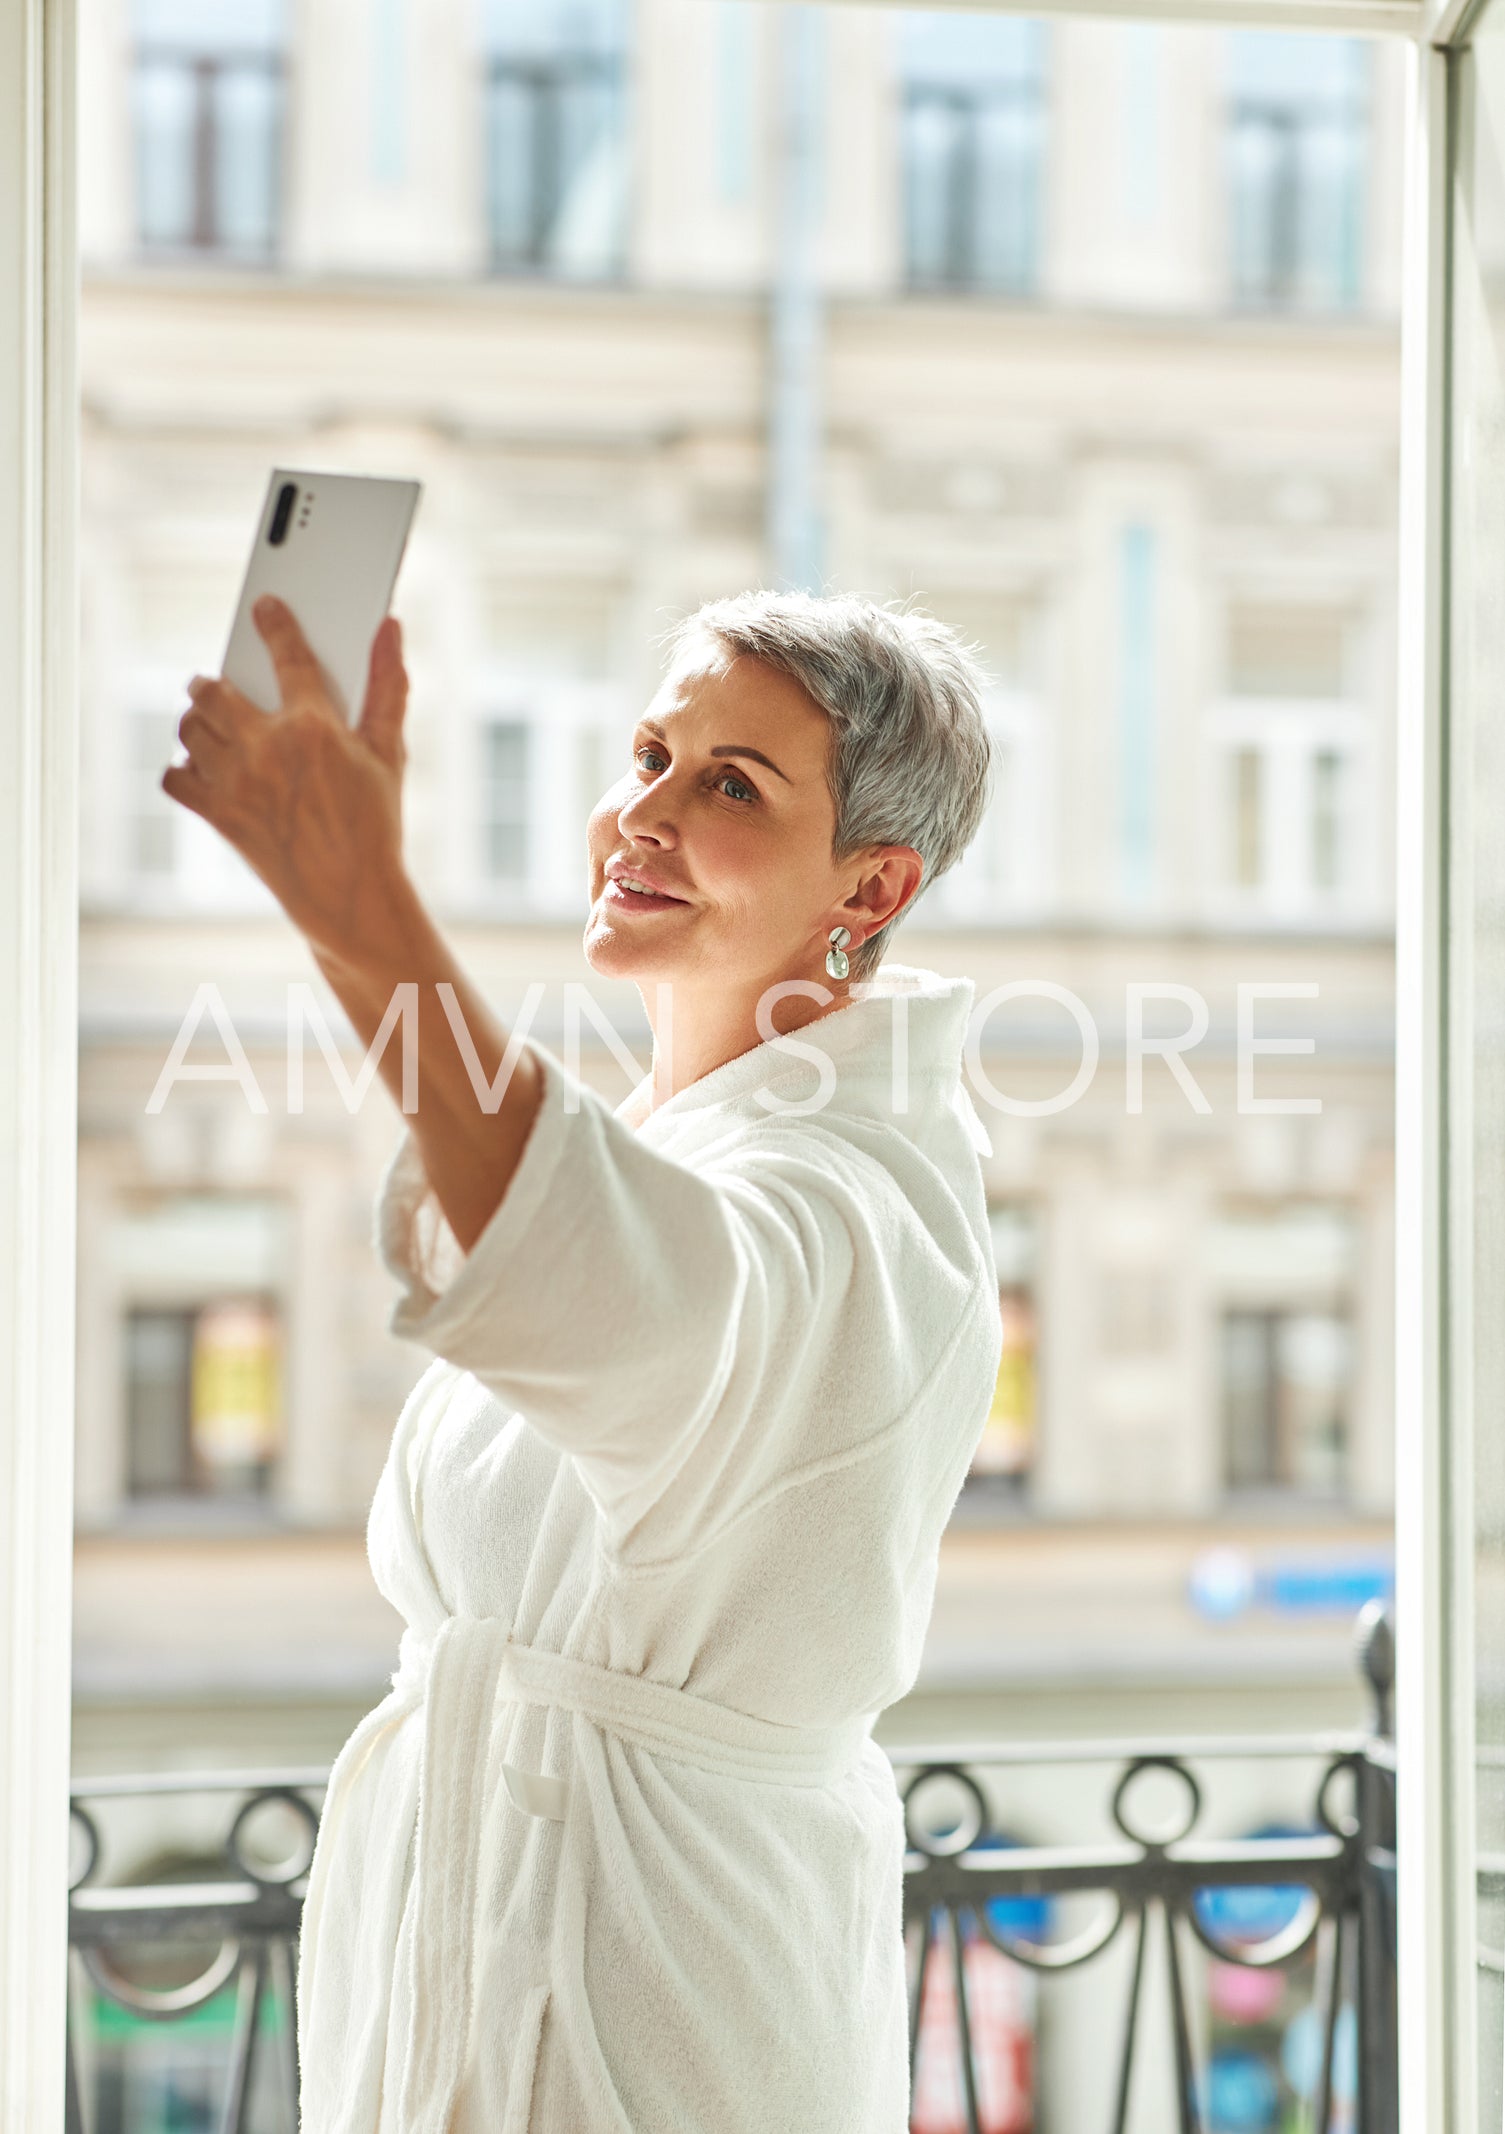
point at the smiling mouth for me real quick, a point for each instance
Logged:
(622, 898)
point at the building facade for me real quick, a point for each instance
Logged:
(1084, 338)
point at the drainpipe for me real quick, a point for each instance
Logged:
(795, 428)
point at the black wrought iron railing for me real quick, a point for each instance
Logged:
(1230, 1973)
(1310, 1911)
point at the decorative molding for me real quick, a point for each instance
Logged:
(1359, 18)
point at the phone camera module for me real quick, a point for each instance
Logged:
(286, 497)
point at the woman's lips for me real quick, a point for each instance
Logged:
(621, 899)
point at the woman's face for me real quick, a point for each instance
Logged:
(725, 810)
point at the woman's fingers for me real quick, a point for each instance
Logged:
(300, 678)
(215, 708)
(216, 729)
(224, 708)
(208, 744)
(380, 722)
(184, 783)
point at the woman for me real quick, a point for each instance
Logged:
(618, 1852)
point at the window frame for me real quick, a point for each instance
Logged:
(38, 1050)
(1020, 816)
(545, 81)
(963, 109)
(559, 714)
(207, 71)
(1289, 736)
(1284, 296)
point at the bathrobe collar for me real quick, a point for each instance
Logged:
(901, 1013)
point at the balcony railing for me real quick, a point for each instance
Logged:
(1167, 1916)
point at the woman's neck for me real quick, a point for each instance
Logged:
(696, 1030)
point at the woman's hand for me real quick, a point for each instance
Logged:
(312, 804)
(315, 806)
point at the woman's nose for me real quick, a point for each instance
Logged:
(648, 813)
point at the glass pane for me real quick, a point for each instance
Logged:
(211, 25)
(601, 752)
(165, 104)
(235, 1421)
(555, 141)
(1248, 779)
(1010, 138)
(1287, 1350)
(511, 162)
(929, 156)
(1248, 1399)
(208, 145)
(151, 830)
(246, 127)
(537, 28)
(973, 148)
(203, 1399)
(505, 801)
(556, 167)
(585, 223)
(203, 1392)
(1327, 819)
(1297, 146)
(1476, 823)
(158, 1365)
(1006, 1448)
(1313, 1365)
(965, 49)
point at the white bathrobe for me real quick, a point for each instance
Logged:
(618, 1852)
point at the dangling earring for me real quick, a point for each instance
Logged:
(836, 962)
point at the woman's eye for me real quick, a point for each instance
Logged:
(736, 788)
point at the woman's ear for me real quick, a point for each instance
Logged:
(890, 879)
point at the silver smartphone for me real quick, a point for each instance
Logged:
(330, 546)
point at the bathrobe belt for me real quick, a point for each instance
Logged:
(458, 1677)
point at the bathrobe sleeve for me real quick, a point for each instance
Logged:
(641, 1315)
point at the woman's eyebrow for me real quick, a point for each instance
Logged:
(737, 748)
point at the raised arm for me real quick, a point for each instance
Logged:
(314, 806)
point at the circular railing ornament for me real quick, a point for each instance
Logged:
(1276, 1950)
(1173, 1832)
(159, 2004)
(279, 1874)
(1058, 1955)
(1343, 1827)
(81, 1821)
(938, 1839)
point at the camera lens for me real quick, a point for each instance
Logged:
(277, 533)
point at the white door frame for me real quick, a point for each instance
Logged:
(38, 1041)
(38, 1038)
(1433, 1621)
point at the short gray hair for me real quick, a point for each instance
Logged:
(911, 760)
